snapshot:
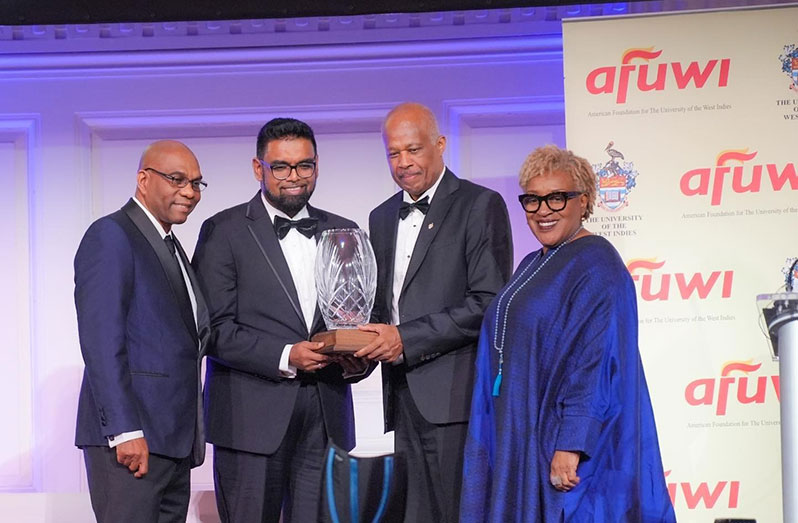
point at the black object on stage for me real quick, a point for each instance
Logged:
(367, 489)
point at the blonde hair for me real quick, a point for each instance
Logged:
(550, 158)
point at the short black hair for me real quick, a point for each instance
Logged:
(280, 129)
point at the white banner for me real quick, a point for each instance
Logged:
(691, 122)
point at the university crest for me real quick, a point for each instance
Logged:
(616, 178)
(789, 64)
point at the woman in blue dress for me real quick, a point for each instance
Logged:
(561, 426)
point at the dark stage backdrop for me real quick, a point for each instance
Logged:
(28, 12)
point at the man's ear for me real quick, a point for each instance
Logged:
(142, 180)
(441, 144)
(257, 169)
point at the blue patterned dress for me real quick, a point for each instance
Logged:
(572, 380)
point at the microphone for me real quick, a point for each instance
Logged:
(789, 277)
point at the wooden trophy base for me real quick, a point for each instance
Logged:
(344, 340)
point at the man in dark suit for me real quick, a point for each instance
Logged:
(443, 248)
(272, 399)
(143, 326)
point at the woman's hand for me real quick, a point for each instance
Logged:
(563, 470)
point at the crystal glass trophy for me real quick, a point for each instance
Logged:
(346, 282)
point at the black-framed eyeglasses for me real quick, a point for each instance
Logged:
(179, 180)
(555, 201)
(282, 170)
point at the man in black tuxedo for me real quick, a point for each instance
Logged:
(444, 249)
(272, 399)
(143, 327)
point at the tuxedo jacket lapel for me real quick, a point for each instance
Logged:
(173, 274)
(438, 209)
(203, 317)
(203, 332)
(262, 231)
(390, 226)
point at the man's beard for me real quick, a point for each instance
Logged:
(289, 204)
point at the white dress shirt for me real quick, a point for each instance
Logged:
(300, 255)
(127, 436)
(406, 237)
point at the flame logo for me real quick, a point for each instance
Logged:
(644, 53)
(643, 264)
(742, 366)
(732, 156)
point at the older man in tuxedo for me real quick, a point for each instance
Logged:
(272, 399)
(443, 248)
(143, 326)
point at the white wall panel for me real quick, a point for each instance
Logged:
(17, 138)
(489, 140)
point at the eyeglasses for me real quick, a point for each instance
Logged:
(180, 181)
(282, 171)
(555, 201)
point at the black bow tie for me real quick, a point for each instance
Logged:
(306, 226)
(422, 205)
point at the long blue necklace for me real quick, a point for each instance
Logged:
(498, 344)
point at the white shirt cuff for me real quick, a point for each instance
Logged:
(125, 436)
(400, 359)
(286, 369)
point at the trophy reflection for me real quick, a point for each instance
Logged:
(346, 282)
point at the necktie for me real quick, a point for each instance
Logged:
(422, 205)
(306, 226)
(170, 244)
(181, 289)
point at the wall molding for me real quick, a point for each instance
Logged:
(322, 30)
(497, 112)
(204, 123)
(22, 132)
(291, 56)
(277, 32)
